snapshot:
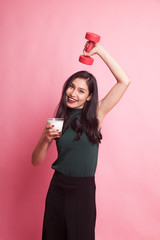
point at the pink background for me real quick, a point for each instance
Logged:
(40, 43)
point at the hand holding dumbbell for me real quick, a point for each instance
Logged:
(93, 38)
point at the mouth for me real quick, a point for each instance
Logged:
(71, 100)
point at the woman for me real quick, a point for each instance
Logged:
(70, 210)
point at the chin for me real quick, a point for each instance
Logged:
(71, 105)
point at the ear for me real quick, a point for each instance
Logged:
(89, 97)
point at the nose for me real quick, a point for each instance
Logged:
(73, 93)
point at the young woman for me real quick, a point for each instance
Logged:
(70, 209)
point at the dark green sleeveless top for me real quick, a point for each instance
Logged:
(75, 158)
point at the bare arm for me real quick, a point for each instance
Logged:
(117, 91)
(40, 150)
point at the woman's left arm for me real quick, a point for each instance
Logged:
(117, 91)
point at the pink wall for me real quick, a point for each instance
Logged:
(40, 43)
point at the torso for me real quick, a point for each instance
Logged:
(76, 158)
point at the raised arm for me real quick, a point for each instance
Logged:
(117, 91)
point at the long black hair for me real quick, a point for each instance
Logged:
(87, 121)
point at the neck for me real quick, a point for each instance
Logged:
(75, 109)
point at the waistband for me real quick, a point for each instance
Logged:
(76, 181)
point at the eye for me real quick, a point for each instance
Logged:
(71, 86)
(81, 91)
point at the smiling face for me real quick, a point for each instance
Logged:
(77, 93)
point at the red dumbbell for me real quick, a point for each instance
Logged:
(93, 38)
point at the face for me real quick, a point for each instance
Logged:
(77, 93)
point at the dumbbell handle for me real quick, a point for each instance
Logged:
(89, 46)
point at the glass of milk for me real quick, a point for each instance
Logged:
(57, 123)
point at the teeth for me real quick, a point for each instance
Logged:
(71, 99)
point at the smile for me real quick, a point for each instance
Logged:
(71, 100)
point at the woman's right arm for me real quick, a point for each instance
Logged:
(40, 150)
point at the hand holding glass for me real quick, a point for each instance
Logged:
(57, 123)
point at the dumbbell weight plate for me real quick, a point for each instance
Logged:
(86, 60)
(92, 37)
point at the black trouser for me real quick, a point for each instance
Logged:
(70, 210)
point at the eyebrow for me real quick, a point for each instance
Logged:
(79, 88)
(83, 89)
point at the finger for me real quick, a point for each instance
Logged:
(86, 45)
(57, 133)
(50, 137)
(52, 131)
(49, 126)
(87, 54)
(90, 53)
